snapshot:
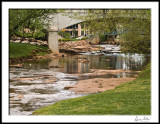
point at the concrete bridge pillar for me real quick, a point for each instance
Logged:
(79, 30)
(53, 39)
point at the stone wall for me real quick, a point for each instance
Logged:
(78, 46)
(62, 44)
(29, 41)
(74, 46)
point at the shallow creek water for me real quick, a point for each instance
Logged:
(41, 83)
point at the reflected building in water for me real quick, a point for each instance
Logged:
(78, 64)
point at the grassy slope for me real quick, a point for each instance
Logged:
(132, 98)
(20, 50)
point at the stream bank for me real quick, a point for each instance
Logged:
(41, 83)
(40, 51)
(81, 69)
(132, 98)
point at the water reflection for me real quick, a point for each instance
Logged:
(78, 64)
(83, 63)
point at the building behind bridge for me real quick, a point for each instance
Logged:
(77, 29)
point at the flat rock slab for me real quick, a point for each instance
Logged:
(97, 85)
(17, 66)
(103, 72)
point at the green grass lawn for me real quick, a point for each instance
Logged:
(21, 50)
(132, 98)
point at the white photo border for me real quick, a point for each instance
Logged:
(67, 5)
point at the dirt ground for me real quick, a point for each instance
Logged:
(97, 85)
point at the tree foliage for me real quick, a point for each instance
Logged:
(34, 19)
(64, 34)
(133, 24)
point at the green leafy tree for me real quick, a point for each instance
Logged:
(137, 34)
(133, 24)
(65, 34)
(35, 19)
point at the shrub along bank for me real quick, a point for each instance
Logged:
(65, 39)
(132, 98)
